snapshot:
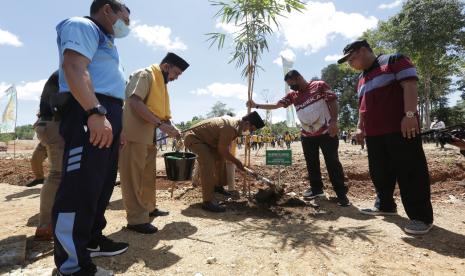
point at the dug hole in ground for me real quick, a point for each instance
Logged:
(318, 238)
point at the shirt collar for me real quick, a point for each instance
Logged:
(98, 25)
(373, 66)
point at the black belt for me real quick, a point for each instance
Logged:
(109, 98)
(101, 96)
(48, 118)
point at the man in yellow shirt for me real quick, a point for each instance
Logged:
(146, 108)
(287, 139)
(254, 141)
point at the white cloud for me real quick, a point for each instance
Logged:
(157, 37)
(241, 113)
(228, 28)
(392, 5)
(277, 118)
(288, 54)
(8, 38)
(3, 87)
(332, 57)
(29, 91)
(312, 29)
(223, 90)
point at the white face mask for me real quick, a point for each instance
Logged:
(120, 29)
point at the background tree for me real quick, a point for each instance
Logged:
(343, 81)
(25, 132)
(432, 33)
(278, 129)
(219, 109)
(183, 126)
(255, 19)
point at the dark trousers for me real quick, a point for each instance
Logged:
(393, 158)
(88, 178)
(288, 144)
(329, 147)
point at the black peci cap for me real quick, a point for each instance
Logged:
(176, 60)
(255, 119)
(351, 47)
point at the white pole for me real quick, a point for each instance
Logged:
(16, 118)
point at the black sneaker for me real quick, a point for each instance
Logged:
(377, 212)
(213, 207)
(144, 228)
(158, 213)
(106, 247)
(343, 201)
(309, 194)
(35, 182)
(221, 190)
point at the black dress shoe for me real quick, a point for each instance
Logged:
(221, 190)
(35, 182)
(213, 207)
(158, 213)
(144, 228)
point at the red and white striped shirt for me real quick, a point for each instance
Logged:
(312, 107)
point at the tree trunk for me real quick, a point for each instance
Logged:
(427, 100)
(421, 114)
(246, 187)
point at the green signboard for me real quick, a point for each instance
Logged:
(279, 157)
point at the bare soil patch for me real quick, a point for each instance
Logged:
(291, 237)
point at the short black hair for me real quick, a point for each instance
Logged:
(115, 5)
(254, 119)
(292, 75)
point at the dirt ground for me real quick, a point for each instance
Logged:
(290, 238)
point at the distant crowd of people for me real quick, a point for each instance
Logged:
(258, 141)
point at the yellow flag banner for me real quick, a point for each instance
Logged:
(8, 110)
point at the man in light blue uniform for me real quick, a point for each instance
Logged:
(92, 81)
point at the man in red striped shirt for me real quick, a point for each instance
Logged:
(317, 109)
(388, 118)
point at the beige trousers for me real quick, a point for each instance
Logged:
(49, 136)
(210, 165)
(38, 157)
(137, 168)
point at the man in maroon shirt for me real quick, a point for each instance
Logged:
(387, 92)
(317, 109)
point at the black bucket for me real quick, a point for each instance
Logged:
(179, 165)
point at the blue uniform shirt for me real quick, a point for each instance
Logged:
(85, 37)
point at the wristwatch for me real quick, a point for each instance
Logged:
(98, 109)
(410, 114)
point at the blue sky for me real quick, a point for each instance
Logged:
(314, 39)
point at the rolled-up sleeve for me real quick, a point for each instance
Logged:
(139, 85)
(402, 68)
(288, 99)
(79, 36)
